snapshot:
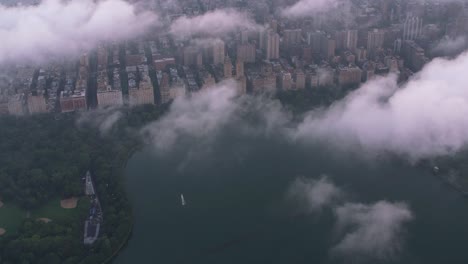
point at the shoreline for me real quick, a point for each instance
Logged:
(124, 243)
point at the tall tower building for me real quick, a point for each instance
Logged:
(271, 41)
(412, 28)
(351, 40)
(375, 40)
(239, 68)
(227, 68)
(246, 52)
(218, 52)
(292, 37)
(328, 46)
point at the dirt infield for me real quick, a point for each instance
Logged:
(69, 203)
(45, 220)
(2, 231)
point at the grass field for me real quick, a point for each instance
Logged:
(55, 212)
(11, 215)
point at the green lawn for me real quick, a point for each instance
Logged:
(11, 217)
(53, 210)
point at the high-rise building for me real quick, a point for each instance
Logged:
(109, 98)
(375, 40)
(284, 81)
(16, 105)
(143, 92)
(412, 28)
(140, 96)
(164, 87)
(299, 80)
(192, 56)
(328, 48)
(314, 39)
(218, 52)
(227, 67)
(102, 57)
(349, 75)
(36, 104)
(351, 40)
(292, 37)
(271, 41)
(244, 36)
(239, 68)
(73, 101)
(246, 52)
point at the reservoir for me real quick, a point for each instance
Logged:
(236, 210)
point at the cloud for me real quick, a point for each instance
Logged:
(450, 46)
(424, 118)
(313, 195)
(214, 23)
(371, 231)
(57, 28)
(199, 117)
(103, 119)
(304, 8)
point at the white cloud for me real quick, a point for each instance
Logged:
(450, 46)
(313, 195)
(57, 28)
(371, 231)
(103, 119)
(214, 23)
(424, 118)
(199, 117)
(304, 8)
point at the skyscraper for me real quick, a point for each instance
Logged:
(272, 40)
(218, 52)
(412, 28)
(351, 39)
(239, 68)
(292, 37)
(375, 40)
(246, 52)
(227, 67)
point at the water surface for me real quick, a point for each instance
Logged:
(236, 210)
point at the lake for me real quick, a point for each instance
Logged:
(236, 209)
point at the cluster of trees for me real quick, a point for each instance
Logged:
(304, 100)
(40, 158)
(43, 157)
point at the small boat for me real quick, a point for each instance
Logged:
(182, 199)
(435, 170)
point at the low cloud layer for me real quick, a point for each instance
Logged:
(371, 231)
(103, 119)
(304, 8)
(424, 118)
(450, 46)
(57, 28)
(214, 23)
(199, 117)
(313, 195)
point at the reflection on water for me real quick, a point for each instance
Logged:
(236, 210)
